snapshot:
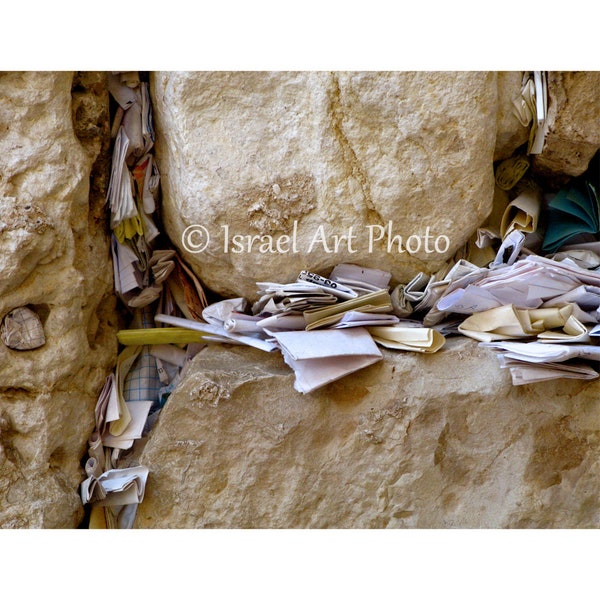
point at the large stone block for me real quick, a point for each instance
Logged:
(573, 124)
(386, 154)
(55, 259)
(413, 441)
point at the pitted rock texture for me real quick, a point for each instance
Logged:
(55, 259)
(440, 441)
(573, 124)
(250, 154)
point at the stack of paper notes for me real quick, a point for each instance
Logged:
(321, 325)
(535, 361)
(149, 278)
(531, 108)
(518, 296)
(372, 303)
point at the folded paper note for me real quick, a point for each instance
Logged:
(290, 321)
(525, 372)
(508, 322)
(356, 318)
(22, 329)
(522, 213)
(139, 413)
(320, 357)
(538, 352)
(525, 284)
(119, 195)
(574, 210)
(125, 362)
(415, 339)
(486, 236)
(531, 107)
(218, 312)
(186, 290)
(107, 405)
(333, 287)
(404, 297)
(286, 297)
(510, 249)
(243, 323)
(373, 302)
(586, 302)
(218, 333)
(121, 92)
(115, 487)
(362, 280)
(539, 126)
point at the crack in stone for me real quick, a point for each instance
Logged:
(350, 158)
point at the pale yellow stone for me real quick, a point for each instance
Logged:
(258, 152)
(573, 123)
(54, 258)
(413, 441)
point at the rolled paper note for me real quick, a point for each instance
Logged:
(510, 171)
(522, 213)
(22, 329)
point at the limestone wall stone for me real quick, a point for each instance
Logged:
(259, 151)
(437, 441)
(54, 258)
(412, 441)
(573, 124)
(510, 134)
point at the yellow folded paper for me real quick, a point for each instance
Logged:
(573, 331)
(128, 228)
(538, 320)
(125, 361)
(375, 302)
(97, 518)
(158, 335)
(507, 322)
(415, 339)
(522, 213)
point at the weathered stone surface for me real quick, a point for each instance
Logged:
(439, 441)
(573, 123)
(260, 151)
(411, 442)
(54, 258)
(510, 133)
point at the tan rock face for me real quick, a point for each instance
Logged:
(54, 258)
(573, 123)
(510, 133)
(389, 155)
(411, 442)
